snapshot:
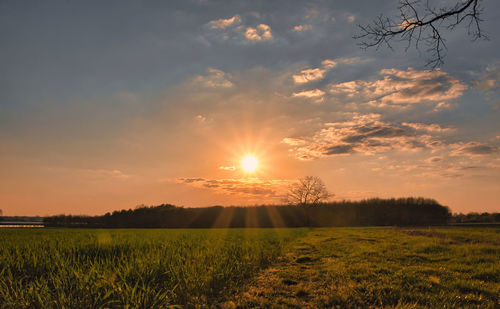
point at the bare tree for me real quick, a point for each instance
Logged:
(309, 190)
(420, 22)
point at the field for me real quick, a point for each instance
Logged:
(343, 267)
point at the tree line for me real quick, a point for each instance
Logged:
(475, 217)
(371, 212)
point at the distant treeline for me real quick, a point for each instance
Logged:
(22, 218)
(393, 212)
(474, 217)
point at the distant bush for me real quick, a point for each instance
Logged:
(399, 212)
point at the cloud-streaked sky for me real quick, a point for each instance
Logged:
(107, 105)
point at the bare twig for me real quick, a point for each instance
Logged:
(420, 22)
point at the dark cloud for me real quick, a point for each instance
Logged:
(244, 187)
(478, 149)
(363, 133)
(339, 149)
(368, 134)
(190, 180)
(400, 88)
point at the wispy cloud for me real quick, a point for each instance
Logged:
(315, 94)
(428, 127)
(315, 74)
(224, 23)
(309, 75)
(490, 79)
(227, 168)
(214, 79)
(474, 149)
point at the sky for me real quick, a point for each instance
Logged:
(105, 105)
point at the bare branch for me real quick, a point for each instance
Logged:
(419, 22)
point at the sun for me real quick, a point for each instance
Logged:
(249, 163)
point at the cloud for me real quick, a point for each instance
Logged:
(224, 23)
(243, 187)
(227, 168)
(490, 79)
(352, 60)
(328, 64)
(401, 88)
(315, 74)
(316, 94)
(261, 33)
(474, 149)
(309, 75)
(233, 28)
(293, 141)
(214, 79)
(301, 28)
(190, 180)
(441, 106)
(91, 174)
(366, 134)
(428, 127)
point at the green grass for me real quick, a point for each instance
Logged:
(130, 268)
(315, 268)
(382, 267)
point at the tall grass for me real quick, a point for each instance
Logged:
(130, 268)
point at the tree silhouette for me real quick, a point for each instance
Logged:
(420, 22)
(309, 190)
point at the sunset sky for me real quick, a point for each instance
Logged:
(105, 105)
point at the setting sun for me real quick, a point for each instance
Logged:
(249, 163)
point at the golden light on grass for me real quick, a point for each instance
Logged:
(249, 163)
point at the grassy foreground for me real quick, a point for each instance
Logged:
(331, 267)
(130, 268)
(382, 268)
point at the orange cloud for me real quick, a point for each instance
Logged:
(315, 94)
(261, 33)
(227, 168)
(428, 127)
(241, 187)
(224, 23)
(309, 75)
(301, 28)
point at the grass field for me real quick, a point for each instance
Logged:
(335, 267)
(130, 268)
